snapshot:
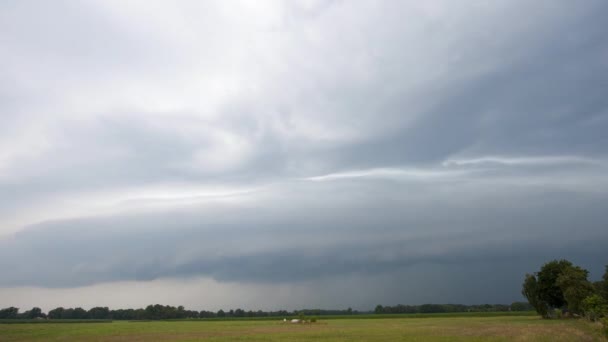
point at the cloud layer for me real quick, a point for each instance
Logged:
(299, 144)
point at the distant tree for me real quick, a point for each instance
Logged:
(158, 311)
(349, 311)
(221, 313)
(99, 313)
(128, 314)
(207, 314)
(56, 313)
(79, 313)
(181, 312)
(432, 308)
(191, 314)
(9, 313)
(520, 306)
(35, 312)
(67, 313)
(379, 309)
(153, 311)
(238, 313)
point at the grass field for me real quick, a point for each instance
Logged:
(447, 328)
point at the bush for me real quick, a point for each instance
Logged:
(313, 320)
(595, 307)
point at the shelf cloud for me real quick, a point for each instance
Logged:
(282, 150)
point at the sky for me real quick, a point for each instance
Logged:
(298, 154)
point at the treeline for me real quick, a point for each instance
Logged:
(445, 308)
(151, 312)
(163, 312)
(13, 313)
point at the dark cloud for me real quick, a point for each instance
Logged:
(270, 246)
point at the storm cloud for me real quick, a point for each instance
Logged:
(294, 147)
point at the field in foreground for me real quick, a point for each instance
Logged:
(503, 328)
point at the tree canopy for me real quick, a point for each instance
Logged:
(563, 286)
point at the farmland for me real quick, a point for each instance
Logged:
(419, 327)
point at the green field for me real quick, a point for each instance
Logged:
(432, 328)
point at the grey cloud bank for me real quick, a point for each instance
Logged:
(297, 145)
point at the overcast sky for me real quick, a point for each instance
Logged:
(291, 154)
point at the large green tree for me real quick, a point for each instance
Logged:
(547, 281)
(559, 284)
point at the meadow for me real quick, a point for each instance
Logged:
(415, 328)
